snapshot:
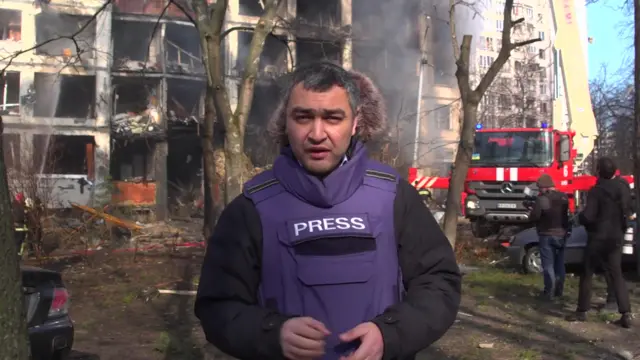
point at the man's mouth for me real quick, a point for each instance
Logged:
(318, 153)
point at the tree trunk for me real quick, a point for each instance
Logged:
(209, 164)
(470, 99)
(235, 163)
(15, 342)
(235, 125)
(460, 168)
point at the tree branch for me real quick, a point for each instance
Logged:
(452, 28)
(505, 51)
(252, 29)
(183, 9)
(71, 37)
(262, 30)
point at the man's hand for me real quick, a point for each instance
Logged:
(303, 338)
(371, 343)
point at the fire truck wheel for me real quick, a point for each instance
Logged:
(531, 263)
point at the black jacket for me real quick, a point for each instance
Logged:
(550, 213)
(607, 210)
(17, 212)
(232, 320)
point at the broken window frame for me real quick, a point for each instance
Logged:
(83, 41)
(193, 59)
(6, 91)
(7, 29)
(47, 163)
(80, 89)
(132, 148)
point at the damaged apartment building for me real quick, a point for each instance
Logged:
(112, 96)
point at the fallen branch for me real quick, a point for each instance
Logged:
(177, 292)
(109, 218)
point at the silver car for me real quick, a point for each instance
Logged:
(524, 252)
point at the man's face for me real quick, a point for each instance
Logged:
(319, 127)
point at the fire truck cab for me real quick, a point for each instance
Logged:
(506, 161)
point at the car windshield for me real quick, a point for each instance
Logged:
(512, 148)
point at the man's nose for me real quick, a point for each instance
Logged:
(317, 133)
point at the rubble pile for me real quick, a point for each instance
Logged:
(172, 231)
(125, 64)
(96, 230)
(131, 124)
(183, 120)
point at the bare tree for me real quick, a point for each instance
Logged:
(209, 20)
(12, 318)
(613, 108)
(471, 98)
(521, 99)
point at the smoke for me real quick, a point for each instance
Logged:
(388, 37)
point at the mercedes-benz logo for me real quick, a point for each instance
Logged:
(506, 188)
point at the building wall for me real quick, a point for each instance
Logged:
(68, 87)
(21, 119)
(138, 72)
(521, 95)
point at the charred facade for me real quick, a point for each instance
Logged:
(117, 99)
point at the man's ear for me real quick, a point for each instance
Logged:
(356, 121)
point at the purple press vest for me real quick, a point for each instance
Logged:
(329, 247)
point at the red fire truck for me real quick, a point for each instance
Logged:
(503, 163)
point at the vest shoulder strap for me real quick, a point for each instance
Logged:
(381, 176)
(262, 186)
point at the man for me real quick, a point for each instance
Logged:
(19, 220)
(605, 219)
(611, 303)
(328, 255)
(550, 213)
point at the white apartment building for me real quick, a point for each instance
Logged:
(521, 95)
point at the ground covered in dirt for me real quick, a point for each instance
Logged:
(119, 315)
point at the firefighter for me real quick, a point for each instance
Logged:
(18, 211)
(550, 213)
(605, 218)
(304, 268)
(424, 193)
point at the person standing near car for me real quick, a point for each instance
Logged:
(550, 213)
(605, 219)
(611, 303)
(329, 254)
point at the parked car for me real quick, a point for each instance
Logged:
(47, 306)
(524, 252)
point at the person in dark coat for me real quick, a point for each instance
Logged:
(605, 219)
(611, 303)
(550, 214)
(328, 254)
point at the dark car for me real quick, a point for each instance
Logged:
(524, 253)
(47, 307)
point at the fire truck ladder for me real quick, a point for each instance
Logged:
(571, 100)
